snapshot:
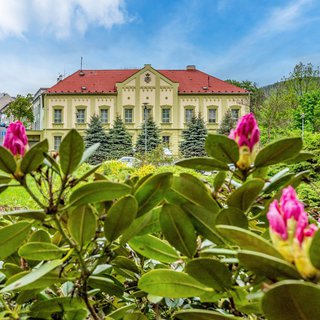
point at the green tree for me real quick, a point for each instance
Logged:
(257, 94)
(227, 123)
(120, 140)
(96, 134)
(152, 138)
(21, 109)
(309, 110)
(194, 136)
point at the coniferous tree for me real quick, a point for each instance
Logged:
(96, 134)
(194, 137)
(153, 136)
(227, 123)
(120, 140)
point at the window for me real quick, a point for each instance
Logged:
(235, 114)
(128, 115)
(188, 115)
(166, 115)
(212, 115)
(80, 115)
(104, 115)
(57, 116)
(166, 140)
(146, 112)
(56, 142)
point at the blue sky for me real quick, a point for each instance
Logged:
(237, 39)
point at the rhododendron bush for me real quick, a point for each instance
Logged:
(166, 246)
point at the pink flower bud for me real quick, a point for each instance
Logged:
(16, 139)
(277, 221)
(290, 204)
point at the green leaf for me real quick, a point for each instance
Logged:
(12, 236)
(243, 197)
(29, 214)
(204, 221)
(188, 188)
(171, 284)
(180, 235)
(266, 265)
(203, 163)
(106, 285)
(197, 314)
(210, 272)
(125, 263)
(292, 300)
(277, 181)
(154, 248)
(120, 313)
(219, 180)
(314, 251)
(120, 216)
(81, 314)
(4, 179)
(7, 161)
(40, 236)
(89, 152)
(278, 151)
(82, 225)
(33, 276)
(137, 315)
(34, 157)
(152, 192)
(98, 191)
(89, 173)
(222, 148)
(70, 151)
(44, 309)
(233, 217)
(247, 240)
(302, 156)
(40, 251)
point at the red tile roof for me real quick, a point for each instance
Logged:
(104, 81)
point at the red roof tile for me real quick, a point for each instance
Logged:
(104, 81)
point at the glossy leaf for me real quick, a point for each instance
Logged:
(33, 276)
(40, 251)
(302, 156)
(120, 216)
(89, 173)
(233, 217)
(98, 191)
(106, 285)
(247, 240)
(154, 248)
(314, 251)
(40, 236)
(219, 180)
(292, 300)
(137, 315)
(121, 312)
(199, 314)
(243, 197)
(81, 314)
(4, 179)
(268, 266)
(152, 191)
(82, 225)
(125, 263)
(278, 151)
(7, 161)
(34, 156)
(28, 214)
(70, 151)
(178, 229)
(203, 163)
(222, 148)
(12, 236)
(44, 309)
(171, 284)
(204, 220)
(89, 152)
(210, 272)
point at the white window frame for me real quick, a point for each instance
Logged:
(56, 144)
(105, 118)
(212, 119)
(57, 111)
(81, 111)
(166, 118)
(189, 111)
(125, 115)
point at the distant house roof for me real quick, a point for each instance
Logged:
(191, 81)
(5, 99)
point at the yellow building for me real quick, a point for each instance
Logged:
(169, 96)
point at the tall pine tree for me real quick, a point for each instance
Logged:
(94, 134)
(227, 123)
(194, 137)
(153, 136)
(120, 140)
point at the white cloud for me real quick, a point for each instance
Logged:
(58, 17)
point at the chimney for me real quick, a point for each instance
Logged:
(60, 77)
(191, 67)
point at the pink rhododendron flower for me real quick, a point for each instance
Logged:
(16, 139)
(277, 221)
(247, 136)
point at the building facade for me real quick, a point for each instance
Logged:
(171, 97)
